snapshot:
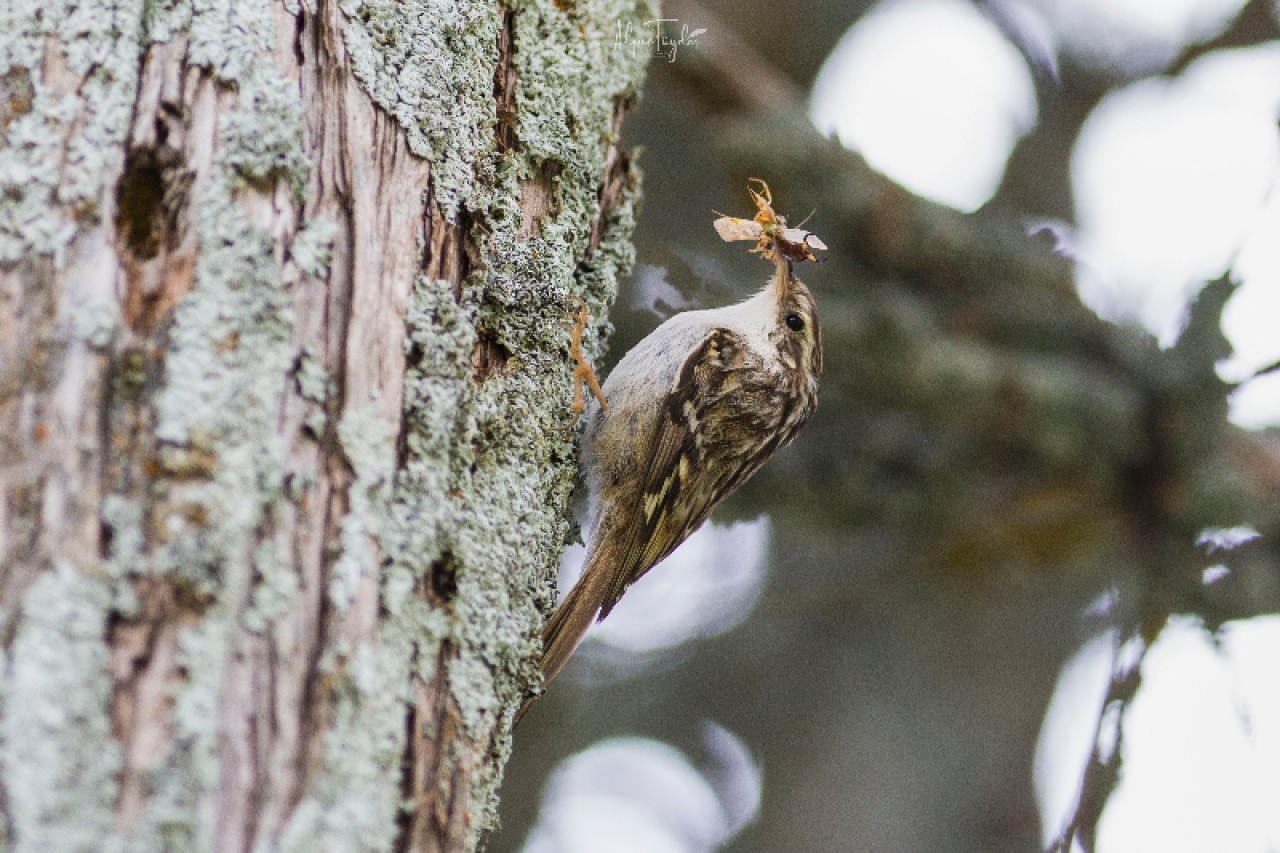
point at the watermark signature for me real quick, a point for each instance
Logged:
(660, 37)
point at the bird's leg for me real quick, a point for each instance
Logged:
(582, 372)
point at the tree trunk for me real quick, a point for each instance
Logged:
(284, 380)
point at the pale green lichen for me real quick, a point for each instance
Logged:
(261, 135)
(59, 759)
(355, 808)
(430, 63)
(96, 322)
(553, 56)
(313, 381)
(275, 592)
(229, 357)
(312, 246)
(47, 190)
(355, 804)
(509, 461)
(178, 814)
(441, 336)
(370, 449)
(230, 37)
(58, 149)
(166, 18)
(229, 347)
(487, 471)
(314, 385)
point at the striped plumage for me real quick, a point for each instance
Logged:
(694, 410)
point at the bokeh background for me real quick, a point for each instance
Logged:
(1015, 586)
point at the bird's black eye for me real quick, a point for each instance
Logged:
(795, 322)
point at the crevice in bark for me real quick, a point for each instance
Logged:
(489, 357)
(450, 252)
(151, 213)
(151, 202)
(405, 817)
(618, 176)
(504, 85)
(145, 673)
(436, 779)
(443, 577)
(538, 199)
(313, 713)
(335, 475)
(299, 30)
(139, 215)
(338, 474)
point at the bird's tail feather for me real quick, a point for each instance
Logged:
(567, 626)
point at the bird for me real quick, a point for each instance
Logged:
(692, 411)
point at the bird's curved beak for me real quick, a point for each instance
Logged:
(781, 276)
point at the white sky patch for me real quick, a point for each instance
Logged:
(1213, 574)
(642, 795)
(1134, 36)
(931, 94)
(1214, 539)
(653, 293)
(1257, 403)
(1066, 736)
(1176, 180)
(1201, 743)
(1249, 320)
(706, 587)
(1170, 177)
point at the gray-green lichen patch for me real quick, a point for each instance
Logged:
(229, 350)
(313, 381)
(261, 135)
(355, 808)
(312, 247)
(482, 490)
(166, 18)
(370, 450)
(405, 516)
(96, 322)
(489, 466)
(275, 592)
(430, 64)
(229, 37)
(314, 385)
(571, 73)
(62, 141)
(60, 761)
(571, 78)
(441, 336)
(216, 415)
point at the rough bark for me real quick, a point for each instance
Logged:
(283, 380)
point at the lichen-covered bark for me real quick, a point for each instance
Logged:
(283, 385)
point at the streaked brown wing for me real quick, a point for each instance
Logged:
(699, 453)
